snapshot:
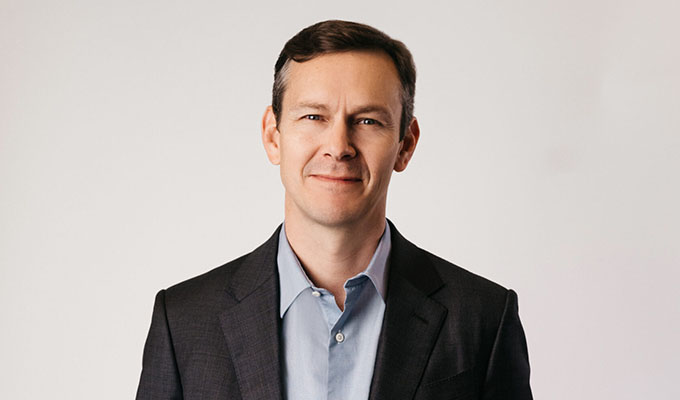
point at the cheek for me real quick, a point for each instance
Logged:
(382, 167)
(294, 157)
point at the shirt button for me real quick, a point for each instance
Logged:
(339, 337)
(316, 293)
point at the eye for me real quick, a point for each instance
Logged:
(367, 121)
(312, 117)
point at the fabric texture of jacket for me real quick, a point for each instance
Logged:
(447, 333)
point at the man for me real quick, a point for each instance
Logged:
(337, 304)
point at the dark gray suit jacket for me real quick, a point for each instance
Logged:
(447, 333)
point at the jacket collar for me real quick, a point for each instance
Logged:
(410, 327)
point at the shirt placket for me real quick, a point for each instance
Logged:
(341, 346)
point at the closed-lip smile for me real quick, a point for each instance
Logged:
(338, 179)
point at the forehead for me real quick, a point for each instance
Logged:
(352, 77)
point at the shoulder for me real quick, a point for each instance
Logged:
(432, 273)
(465, 282)
(468, 293)
(227, 282)
(457, 289)
(475, 305)
(214, 280)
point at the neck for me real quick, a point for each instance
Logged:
(330, 255)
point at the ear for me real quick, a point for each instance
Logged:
(408, 146)
(270, 136)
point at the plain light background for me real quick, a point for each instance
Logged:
(130, 160)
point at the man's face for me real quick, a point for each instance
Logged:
(337, 140)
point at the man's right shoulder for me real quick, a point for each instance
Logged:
(226, 278)
(212, 278)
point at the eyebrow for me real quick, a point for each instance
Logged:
(308, 106)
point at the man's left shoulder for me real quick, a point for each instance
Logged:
(476, 304)
(457, 289)
(442, 279)
(468, 284)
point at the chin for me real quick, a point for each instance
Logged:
(331, 211)
(335, 217)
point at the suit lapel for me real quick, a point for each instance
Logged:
(411, 324)
(251, 326)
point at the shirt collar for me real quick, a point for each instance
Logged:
(293, 279)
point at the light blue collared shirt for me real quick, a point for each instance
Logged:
(328, 353)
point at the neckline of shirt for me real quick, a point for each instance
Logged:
(293, 280)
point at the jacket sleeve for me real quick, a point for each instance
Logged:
(507, 375)
(160, 376)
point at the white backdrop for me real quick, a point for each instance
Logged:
(130, 160)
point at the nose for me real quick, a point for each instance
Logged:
(339, 142)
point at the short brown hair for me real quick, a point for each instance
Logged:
(336, 36)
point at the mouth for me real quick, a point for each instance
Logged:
(336, 179)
